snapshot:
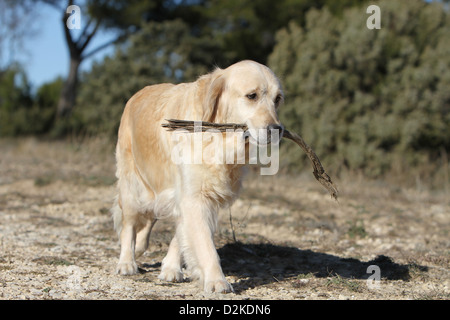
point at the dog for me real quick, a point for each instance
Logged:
(151, 186)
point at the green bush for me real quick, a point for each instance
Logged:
(160, 52)
(15, 102)
(368, 99)
(21, 112)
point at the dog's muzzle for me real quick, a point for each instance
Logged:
(278, 127)
(265, 136)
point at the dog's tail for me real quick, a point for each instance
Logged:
(116, 212)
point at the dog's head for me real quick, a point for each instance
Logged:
(246, 92)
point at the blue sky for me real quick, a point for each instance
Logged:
(45, 55)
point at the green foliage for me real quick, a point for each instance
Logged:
(126, 15)
(45, 103)
(246, 28)
(21, 112)
(159, 52)
(15, 98)
(367, 99)
(178, 51)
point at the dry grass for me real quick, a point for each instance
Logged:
(288, 239)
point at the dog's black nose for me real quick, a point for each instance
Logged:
(278, 127)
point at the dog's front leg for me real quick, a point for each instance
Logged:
(195, 234)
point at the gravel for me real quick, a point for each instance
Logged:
(293, 241)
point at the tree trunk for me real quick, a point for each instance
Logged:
(67, 98)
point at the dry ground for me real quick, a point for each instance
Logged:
(287, 238)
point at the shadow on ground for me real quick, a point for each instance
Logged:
(259, 264)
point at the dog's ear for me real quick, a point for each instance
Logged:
(213, 92)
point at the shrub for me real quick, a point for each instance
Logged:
(367, 99)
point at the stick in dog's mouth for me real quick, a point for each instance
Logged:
(202, 126)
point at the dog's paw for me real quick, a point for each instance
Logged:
(171, 275)
(218, 286)
(127, 268)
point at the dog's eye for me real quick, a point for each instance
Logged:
(278, 99)
(252, 96)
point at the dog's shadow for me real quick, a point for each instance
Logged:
(259, 264)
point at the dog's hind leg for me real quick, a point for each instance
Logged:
(134, 229)
(127, 237)
(143, 236)
(127, 260)
(171, 264)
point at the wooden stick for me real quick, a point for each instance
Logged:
(189, 125)
(319, 173)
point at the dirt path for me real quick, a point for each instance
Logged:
(292, 240)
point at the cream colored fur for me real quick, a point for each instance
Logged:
(151, 186)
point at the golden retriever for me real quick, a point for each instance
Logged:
(151, 186)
